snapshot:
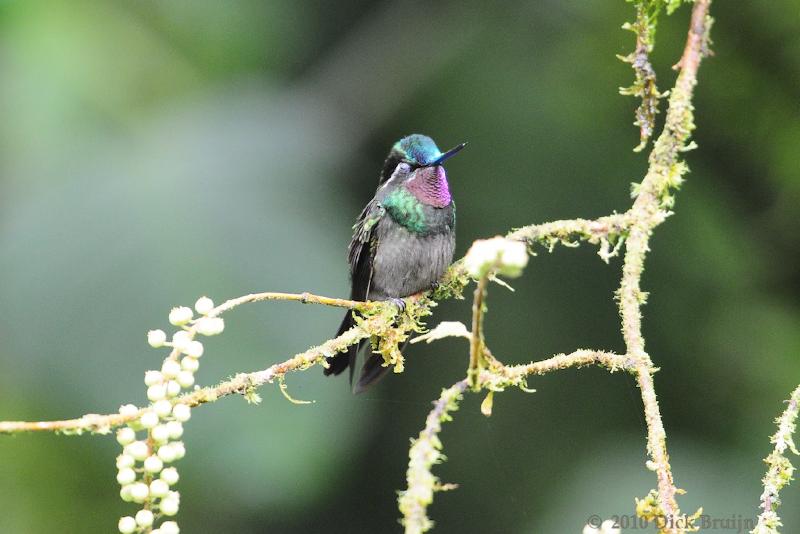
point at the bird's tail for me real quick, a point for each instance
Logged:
(343, 360)
(372, 371)
(373, 368)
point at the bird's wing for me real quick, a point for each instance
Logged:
(361, 252)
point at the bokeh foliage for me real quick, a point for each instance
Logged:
(155, 151)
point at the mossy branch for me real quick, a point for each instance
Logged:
(242, 382)
(425, 450)
(781, 470)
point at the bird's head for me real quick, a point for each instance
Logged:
(416, 151)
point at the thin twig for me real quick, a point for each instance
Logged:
(476, 341)
(304, 298)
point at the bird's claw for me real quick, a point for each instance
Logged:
(400, 303)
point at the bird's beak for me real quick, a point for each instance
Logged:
(449, 154)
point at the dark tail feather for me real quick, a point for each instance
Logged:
(372, 371)
(343, 360)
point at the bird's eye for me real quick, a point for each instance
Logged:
(402, 168)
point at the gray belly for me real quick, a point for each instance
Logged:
(406, 263)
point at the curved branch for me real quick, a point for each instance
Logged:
(425, 451)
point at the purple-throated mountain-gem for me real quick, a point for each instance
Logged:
(403, 240)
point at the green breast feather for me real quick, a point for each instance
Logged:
(406, 210)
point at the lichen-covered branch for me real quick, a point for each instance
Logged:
(425, 451)
(781, 470)
(653, 197)
(102, 424)
(608, 232)
(241, 384)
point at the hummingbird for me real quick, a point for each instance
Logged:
(403, 240)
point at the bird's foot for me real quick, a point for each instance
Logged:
(435, 286)
(400, 303)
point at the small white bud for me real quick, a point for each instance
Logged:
(590, 529)
(179, 449)
(159, 488)
(156, 338)
(181, 412)
(128, 410)
(139, 492)
(169, 527)
(190, 364)
(210, 326)
(175, 429)
(126, 435)
(163, 408)
(160, 434)
(514, 258)
(170, 368)
(126, 476)
(125, 493)
(152, 378)
(170, 475)
(137, 449)
(173, 388)
(180, 315)
(149, 419)
(167, 453)
(169, 505)
(125, 460)
(153, 464)
(507, 256)
(185, 379)
(127, 525)
(204, 305)
(157, 392)
(194, 349)
(181, 340)
(144, 518)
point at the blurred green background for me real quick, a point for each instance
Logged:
(155, 151)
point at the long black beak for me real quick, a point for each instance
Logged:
(449, 154)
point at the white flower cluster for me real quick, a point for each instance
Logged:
(504, 256)
(142, 472)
